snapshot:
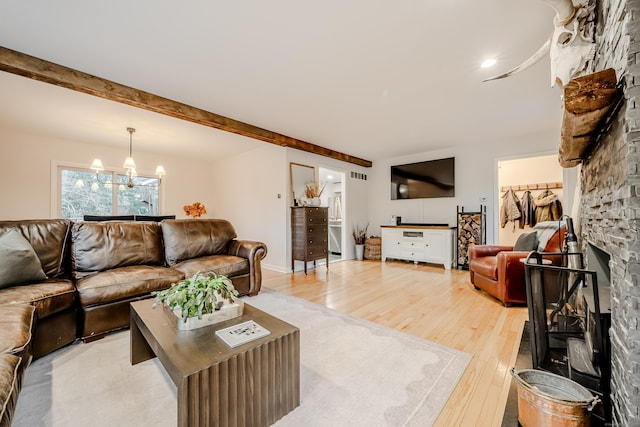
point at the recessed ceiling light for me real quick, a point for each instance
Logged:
(488, 63)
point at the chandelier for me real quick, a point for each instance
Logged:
(130, 166)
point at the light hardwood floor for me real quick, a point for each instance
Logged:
(431, 303)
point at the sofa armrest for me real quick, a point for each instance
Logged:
(507, 258)
(254, 252)
(477, 251)
(511, 277)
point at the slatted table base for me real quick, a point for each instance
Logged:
(255, 384)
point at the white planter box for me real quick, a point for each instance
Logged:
(227, 312)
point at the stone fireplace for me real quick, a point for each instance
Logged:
(610, 206)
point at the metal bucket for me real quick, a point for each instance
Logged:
(546, 399)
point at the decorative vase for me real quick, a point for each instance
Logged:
(315, 201)
(359, 252)
(226, 312)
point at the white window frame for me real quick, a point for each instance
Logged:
(56, 190)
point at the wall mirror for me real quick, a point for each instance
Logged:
(300, 175)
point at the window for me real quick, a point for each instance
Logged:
(82, 194)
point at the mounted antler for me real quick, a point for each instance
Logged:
(571, 45)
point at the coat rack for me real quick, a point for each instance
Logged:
(525, 187)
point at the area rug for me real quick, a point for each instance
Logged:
(353, 373)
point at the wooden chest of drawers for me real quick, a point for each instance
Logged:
(309, 235)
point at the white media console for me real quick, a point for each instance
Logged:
(419, 243)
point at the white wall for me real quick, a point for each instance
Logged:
(251, 190)
(26, 163)
(245, 188)
(354, 199)
(475, 179)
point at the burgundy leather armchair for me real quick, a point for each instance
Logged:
(498, 271)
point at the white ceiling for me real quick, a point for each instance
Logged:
(370, 78)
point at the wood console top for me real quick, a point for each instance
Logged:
(427, 227)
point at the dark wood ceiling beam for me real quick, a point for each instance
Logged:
(55, 74)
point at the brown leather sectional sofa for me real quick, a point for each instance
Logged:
(94, 270)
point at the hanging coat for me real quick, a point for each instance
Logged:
(528, 210)
(510, 210)
(548, 206)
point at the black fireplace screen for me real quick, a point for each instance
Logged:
(569, 319)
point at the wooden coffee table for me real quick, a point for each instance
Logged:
(254, 384)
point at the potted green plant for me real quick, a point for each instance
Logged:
(201, 300)
(359, 236)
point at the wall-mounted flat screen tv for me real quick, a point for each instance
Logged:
(423, 180)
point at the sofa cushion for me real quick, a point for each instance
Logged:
(16, 324)
(11, 375)
(228, 265)
(100, 246)
(49, 238)
(486, 266)
(526, 242)
(18, 261)
(193, 238)
(125, 282)
(48, 297)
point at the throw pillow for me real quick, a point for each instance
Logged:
(526, 242)
(18, 261)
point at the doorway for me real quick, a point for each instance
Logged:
(537, 174)
(333, 197)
